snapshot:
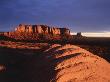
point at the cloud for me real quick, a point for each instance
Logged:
(78, 15)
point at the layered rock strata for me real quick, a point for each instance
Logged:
(41, 29)
(32, 31)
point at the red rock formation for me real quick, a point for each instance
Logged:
(42, 29)
(31, 32)
(1, 33)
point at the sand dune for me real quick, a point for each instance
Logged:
(51, 63)
(74, 64)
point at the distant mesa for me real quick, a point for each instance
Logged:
(23, 31)
(79, 34)
(41, 29)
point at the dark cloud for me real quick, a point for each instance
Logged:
(78, 15)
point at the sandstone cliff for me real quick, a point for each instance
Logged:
(42, 29)
(34, 32)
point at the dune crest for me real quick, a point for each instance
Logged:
(74, 64)
(42, 62)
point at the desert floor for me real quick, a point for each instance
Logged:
(42, 62)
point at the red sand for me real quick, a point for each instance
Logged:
(66, 63)
(74, 64)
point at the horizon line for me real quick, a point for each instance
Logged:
(93, 34)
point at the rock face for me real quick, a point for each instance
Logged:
(41, 29)
(32, 32)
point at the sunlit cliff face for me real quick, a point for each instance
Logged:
(94, 34)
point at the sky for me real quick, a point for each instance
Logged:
(78, 15)
(94, 34)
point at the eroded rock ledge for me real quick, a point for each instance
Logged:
(32, 32)
(41, 29)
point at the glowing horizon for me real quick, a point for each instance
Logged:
(94, 34)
